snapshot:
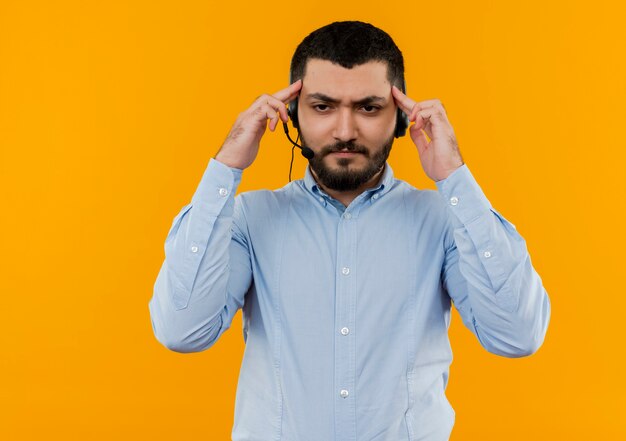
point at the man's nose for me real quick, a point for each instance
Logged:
(345, 126)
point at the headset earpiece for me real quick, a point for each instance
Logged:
(292, 108)
(292, 111)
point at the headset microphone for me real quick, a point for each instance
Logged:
(306, 151)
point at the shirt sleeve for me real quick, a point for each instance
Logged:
(488, 272)
(206, 272)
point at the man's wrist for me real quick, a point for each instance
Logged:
(449, 172)
(228, 162)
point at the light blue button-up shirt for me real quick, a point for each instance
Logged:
(345, 309)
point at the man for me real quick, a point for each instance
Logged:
(346, 277)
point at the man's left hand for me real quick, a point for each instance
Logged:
(440, 156)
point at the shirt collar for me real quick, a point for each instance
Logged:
(384, 185)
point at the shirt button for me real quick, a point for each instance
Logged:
(454, 200)
(344, 393)
(194, 249)
(487, 254)
(347, 216)
(375, 196)
(345, 331)
(321, 199)
(345, 270)
(223, 192)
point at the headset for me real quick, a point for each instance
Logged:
(402, 120)
(402, 123)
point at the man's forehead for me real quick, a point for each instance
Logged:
(319, 63)
(330, 79)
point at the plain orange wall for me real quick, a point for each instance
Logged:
(110, 112)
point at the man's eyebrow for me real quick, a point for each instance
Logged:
(364, 101)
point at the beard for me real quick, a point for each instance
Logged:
(344, 178)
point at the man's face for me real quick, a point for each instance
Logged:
(347, 117)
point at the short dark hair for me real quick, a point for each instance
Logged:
(349, 44)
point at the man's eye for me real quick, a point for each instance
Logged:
(370, 109)
(321, 107)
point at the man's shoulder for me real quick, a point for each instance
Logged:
(422, 203)
(266, 198)
(414, 195)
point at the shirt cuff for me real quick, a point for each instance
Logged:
(463, 195)
(218, 182)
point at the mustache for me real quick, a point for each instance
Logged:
(344, 147)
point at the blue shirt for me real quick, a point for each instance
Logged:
(345, 309)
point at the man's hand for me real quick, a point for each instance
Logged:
(242, 143)
(440, 156)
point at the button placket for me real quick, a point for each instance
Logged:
(345, 301)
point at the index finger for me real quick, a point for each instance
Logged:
(290, 92)
(405, 103)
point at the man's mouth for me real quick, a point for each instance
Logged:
(345, 153)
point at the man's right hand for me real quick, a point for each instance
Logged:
(242, 143)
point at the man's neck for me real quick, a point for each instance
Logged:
(346, 197)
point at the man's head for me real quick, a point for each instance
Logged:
(345, 111)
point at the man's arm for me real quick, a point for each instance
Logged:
(488, 272)
(206, 272)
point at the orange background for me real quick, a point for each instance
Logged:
(110, 111)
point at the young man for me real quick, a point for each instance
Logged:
(346, 277)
